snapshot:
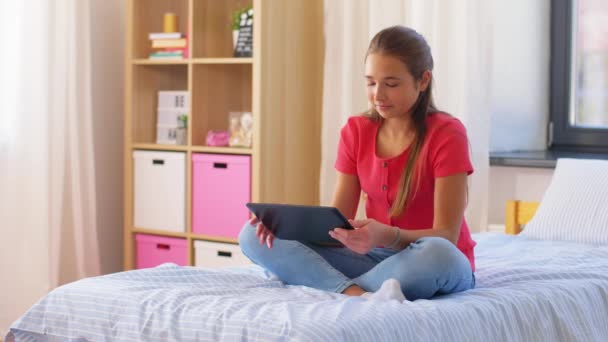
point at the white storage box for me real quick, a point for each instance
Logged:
(171, 105)
(174, 99)
(159, 189)
(169, 116)
(166, 135)
(216, 254)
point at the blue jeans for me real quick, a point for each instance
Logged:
(428, 267)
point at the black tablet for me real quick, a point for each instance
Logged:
(300, 222)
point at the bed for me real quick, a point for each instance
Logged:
(528, 288)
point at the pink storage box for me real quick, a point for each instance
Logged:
(221, 188)
(154, 250)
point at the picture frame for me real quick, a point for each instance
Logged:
(241, 129)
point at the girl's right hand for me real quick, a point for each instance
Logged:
(261, 232)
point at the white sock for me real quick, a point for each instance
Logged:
(390, 290)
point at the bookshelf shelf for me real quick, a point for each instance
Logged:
(158, 147)
(158, 232)
(213, 238)
(230, 87)
(228, 60)
(147, 81)
(212, 34)
(196, 149)
(222, 150)
(285, 102)
(146, 16)
(147, 61)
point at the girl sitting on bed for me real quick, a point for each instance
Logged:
(412, 161)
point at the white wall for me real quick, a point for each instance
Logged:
(515, 183)
(520, 84)
(108, 33)
(520, 99)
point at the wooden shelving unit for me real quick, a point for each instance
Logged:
(281, 85)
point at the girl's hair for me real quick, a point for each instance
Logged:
(412, 49)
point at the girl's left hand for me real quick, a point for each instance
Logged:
(363, 238)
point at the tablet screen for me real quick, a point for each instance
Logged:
(300, 222)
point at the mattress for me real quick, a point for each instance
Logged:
(527, 290)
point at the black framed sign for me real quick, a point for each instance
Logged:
(244, 44)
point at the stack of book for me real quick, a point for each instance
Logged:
(169, 45)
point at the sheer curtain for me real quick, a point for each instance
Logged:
(459, 33)
(47, 196)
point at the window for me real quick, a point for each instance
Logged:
(579, 75)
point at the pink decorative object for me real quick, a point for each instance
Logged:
(221, 187)
(154, 250)
(217, 138)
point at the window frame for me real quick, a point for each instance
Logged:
(563, 136)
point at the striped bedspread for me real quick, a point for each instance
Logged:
(527, 290)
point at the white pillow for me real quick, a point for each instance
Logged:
(575, 206)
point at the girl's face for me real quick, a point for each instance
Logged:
(391, 89)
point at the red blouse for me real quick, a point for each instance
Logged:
(445, 152)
